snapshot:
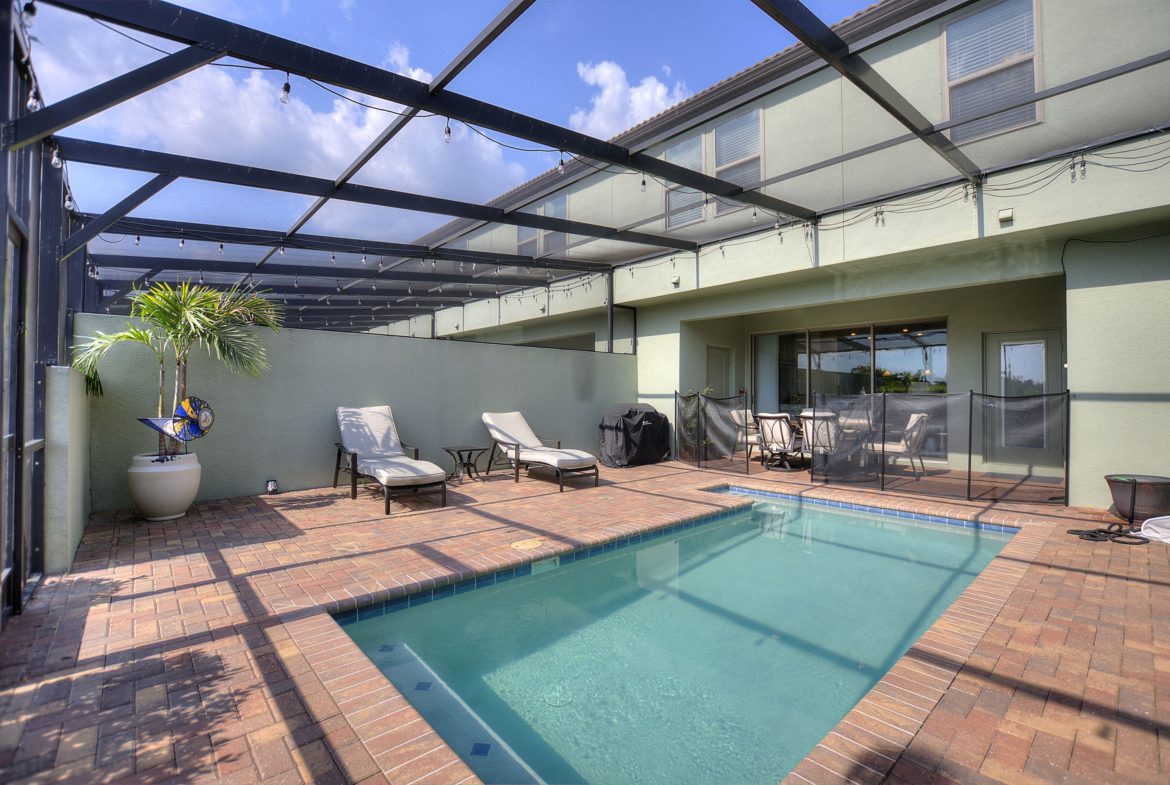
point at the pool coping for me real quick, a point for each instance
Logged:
(862, 748)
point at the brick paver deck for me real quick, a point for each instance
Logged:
(201, 650)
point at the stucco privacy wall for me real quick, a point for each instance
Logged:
(1118, 363)
(282, 426)
(66, 466)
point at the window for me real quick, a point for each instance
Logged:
(737, 154)
(684, 205)
(557, 207)
(526, 241)
(991, 60)
(530, 242)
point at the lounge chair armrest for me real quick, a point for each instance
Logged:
(411, 452)
(505, 446)
(341, 448)
(552, 442)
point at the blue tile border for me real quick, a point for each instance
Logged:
(500, 576)
(884, 512)
(376, 609)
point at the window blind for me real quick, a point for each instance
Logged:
(738, 138)
(683, 207)
(979, 95)
(983, 40)
(687, 152)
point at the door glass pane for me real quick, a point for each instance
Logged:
(1022, 373)
(840, 361)
(911, 358)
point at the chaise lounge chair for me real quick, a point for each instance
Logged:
(516, 441)
(370, 442)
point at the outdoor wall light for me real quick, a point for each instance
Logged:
(675, 281)
(1006, 215)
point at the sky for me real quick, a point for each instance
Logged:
(598, 66)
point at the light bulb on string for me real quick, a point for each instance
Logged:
(280, 249)
(68, 202)
(364, 260)
(374, 286)
(339, 284)
(561, 165)
(286, 89)
(296, 280)
(55, 160)
(28, 13)
(754, 213)
(447, 131)
(137, 240)
(221, 249)
(643, 183)
(332, 258)
(33, 101)
(200, 277)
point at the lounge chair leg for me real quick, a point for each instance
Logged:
(491, 460)
(443, 494)
(337, 467)
(386, 493)
(561, 480)
(353, 475)
(516, 463)
(596, 476)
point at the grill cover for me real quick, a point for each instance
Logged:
(633, 434)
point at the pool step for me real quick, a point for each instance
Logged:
(473, 740)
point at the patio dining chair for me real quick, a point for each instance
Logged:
(747, 432)
(514, 439)
(910, 445)
(372, 449)
(777, 439)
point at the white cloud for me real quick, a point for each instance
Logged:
(234, 115)
(618, 105)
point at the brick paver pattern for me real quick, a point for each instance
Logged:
(201, 650)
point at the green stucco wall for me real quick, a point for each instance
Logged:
(67, 469)
(1118, 364)
(283, 425)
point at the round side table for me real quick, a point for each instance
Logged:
(464, 456)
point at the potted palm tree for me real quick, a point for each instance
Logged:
(171, 322)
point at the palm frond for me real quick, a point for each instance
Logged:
(87, 355)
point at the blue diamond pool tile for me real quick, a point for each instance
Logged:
(505, 575)
(421, 597)
(485, 580)
(423, 686)
(464, 586)
(386, 647)
(481, 749)
(523, 569)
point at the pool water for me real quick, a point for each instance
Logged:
(722, 653)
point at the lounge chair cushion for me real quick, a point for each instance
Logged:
(369, 431)
(562, 459)
(399, 471)
(511, 428)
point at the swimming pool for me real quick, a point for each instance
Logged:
(720, 652)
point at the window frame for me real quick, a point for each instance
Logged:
(727, 207)
(949, 84)
(543, 234)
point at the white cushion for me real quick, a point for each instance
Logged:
(368, 430)
(562, 459)
(397, 471)
(510, 428)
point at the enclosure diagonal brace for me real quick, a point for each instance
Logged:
(78, 239)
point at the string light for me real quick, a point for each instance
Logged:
(332, 258)
(364, 260)
(296, 280)
(200, 277)
(137, 240)
(286, 89)
(374, 286)
(68, 201)
(643, 183)
(339, 284)
(55, 161)
(221, 249)
(33, 101)
(280, 249)
(754, 214)
(447, 131)
(561, 165)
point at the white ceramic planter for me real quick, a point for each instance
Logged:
(163, 490)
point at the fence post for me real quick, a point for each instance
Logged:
(970, 436)
(700, 440)
(747, 450)
(882, 465)
(1067, 444)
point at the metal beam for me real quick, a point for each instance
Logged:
(149, 227)
(382, 294)
(496, 27)
(126, 261)
(36, 126)
(794, 17)
(92, 229)
(190, 27)
(139, 160)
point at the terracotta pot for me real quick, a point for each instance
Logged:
(163, 487)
